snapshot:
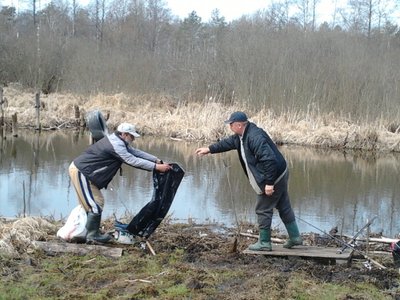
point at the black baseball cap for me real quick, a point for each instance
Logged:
(237, 116)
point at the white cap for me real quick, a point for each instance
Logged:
(128, 128)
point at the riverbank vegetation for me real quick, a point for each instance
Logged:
(199, 121)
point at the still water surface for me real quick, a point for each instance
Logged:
(327, 188)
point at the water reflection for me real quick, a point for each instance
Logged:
(327, 188)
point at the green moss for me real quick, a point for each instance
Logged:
(302, 289)
(176, 291)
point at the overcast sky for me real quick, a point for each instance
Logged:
(230, 9)
(233, 9)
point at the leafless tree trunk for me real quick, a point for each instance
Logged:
(74, 7)
(34, 11)
(100, 12)
(304, 7)
(369, 12)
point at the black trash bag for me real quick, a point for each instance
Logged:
(151, 215)
(396, 253)
(97, 125)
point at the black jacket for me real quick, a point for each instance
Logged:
(101, 161)
(263, 157)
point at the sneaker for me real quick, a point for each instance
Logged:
(124, 237)
(120, 226)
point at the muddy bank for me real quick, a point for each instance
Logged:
(191, 261)
(163, 116)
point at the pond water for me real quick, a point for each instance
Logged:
(327, 188)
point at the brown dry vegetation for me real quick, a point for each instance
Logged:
(191, 262)
(200, 121)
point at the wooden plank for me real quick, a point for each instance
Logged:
(303, 251)
(274, 240)
(81, 249)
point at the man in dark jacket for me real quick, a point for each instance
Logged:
(267, 171)
(96, 167)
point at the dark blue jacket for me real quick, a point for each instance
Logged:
(101, 161)
(263, 157)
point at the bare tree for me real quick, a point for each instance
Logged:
(100, 12)
(158, 15)
(364, 15)
(278, 14)
(74, 8)
(305, 13)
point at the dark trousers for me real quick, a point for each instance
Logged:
(280, 200)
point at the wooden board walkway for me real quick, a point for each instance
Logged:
(322, 253)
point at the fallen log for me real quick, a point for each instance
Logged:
(81, 249)
(383, 240)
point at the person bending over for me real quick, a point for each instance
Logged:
(97, 165)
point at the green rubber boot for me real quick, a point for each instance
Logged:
(294, 235)
(264, 241)
(94, 235)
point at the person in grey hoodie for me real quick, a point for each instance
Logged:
(94, 169)
(267, 172)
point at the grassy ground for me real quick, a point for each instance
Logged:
(191, 262)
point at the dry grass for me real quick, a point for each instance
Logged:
(18, 234)
(163, 116)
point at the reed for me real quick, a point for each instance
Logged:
(164, 116)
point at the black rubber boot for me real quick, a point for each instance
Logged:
(93, 233)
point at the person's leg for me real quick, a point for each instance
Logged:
(264, 211)
(92, 200)
(286, 214)
(283, 204)
(89, 195)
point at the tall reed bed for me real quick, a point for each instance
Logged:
(165, 116)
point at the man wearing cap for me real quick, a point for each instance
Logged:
(267, 171)
(96, 167)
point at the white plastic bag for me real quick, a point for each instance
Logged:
(75, 227)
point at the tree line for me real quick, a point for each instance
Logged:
(273, 59)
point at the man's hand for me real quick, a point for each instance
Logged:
(163, 168)
(202, 151)
(269, 190)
